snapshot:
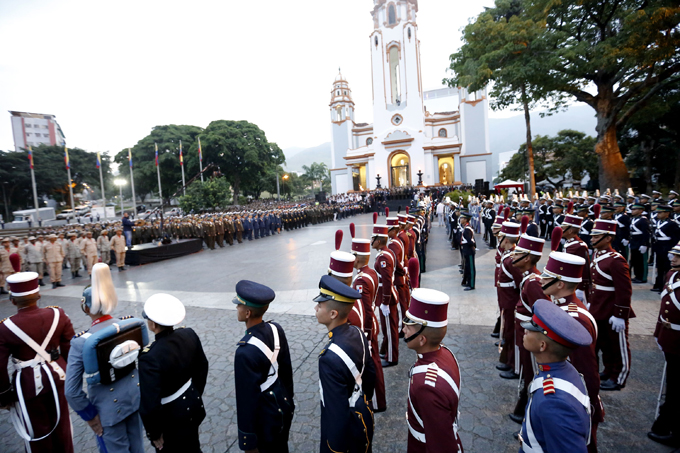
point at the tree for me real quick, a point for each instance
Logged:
(206, 196)
(316, 172)
(144, 163)
(241, 150)
(570, 153)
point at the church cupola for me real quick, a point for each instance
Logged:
(342, 106)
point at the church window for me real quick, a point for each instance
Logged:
(397, 119)
(399, 170)
(345, 93)
(446, 170)
(339, 113)
(369, 141)
(442, 132)
(409, 33)
(391, 15)
(376, 41)
(337, 93)
(395, 75)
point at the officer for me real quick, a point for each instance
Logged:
(111, 409)
(434, 380)
(346, 373)
(558, 413)
(172, 375)
(118, 246)
(468, 247)
(666, 233)
(38, 341)
(263, 374)
(667, 334)
(622, 239)
(639, 243)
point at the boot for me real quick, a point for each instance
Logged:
(54, 285)
(2, 291)
(120, 269)
(40, 282)
(59, 285)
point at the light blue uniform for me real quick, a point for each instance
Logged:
(117, 404)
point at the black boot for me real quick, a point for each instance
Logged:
(120, 269)
(54, 285)
(59, 285)
(40, 282)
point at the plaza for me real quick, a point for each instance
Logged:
(292, 263)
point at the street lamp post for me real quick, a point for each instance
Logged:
(284, 178)
(120, 183)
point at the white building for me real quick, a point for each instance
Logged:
(35, 129)
(406, 137)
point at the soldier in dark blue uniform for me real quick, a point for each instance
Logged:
(248, 227)
(267, 224)
(256, 226)
(667, 234)
(639, 243)
(468, 248)
(263, 375)
(622, 240)
(346, 373)
(172, 375)
(558, 412)
(583, 211)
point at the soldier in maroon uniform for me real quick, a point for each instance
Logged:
(525, 257)
(434, 384)
(366, 283)
(341, 267)
(610, 297)
(411, 249)
(665, 428)
(397, 247)
(574, 245)
(387, 296)
(38, 339)
(496, 231)
(560, 278)
(507, 288)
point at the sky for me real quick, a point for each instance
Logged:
(110, 71)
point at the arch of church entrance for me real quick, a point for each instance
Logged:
(399, 163)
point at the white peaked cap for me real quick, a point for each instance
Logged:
(164, 309)
(104, 298)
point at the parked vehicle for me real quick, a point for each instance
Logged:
(82, 210)
(29, 215)
(66, 214)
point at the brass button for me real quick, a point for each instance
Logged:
(115, 400)
(110, 390)
(666, 311)
(133, 375)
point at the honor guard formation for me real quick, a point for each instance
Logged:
(554, 326)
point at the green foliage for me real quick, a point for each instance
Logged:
(461, 196)
(206, 196)
(570, 152)
(317, 173)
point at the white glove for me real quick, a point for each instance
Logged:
(625, 242)
(588, 306)
(385, 309)
(657, 343)
(618, 324)
(643, 249)
(581, 295)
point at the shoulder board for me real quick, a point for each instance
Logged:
(548, 386)
(53, 306)
(242, 343)
(182, 327)
(432, 374)
(79, 334)
(5, 319)
(572, 308)
(148, 348)
(123, 318)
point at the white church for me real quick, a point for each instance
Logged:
(410, 137)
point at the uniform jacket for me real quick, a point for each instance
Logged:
(611, 288)
(103, 244)
(433, 396)
(531, 290)
(34, 253)
(639, 232)
(72, 249)
(467, 243)
(5, 264)
(622, 229)
(584, 233)
(576, 246)
(666, 236)
(398, 249)
(667, 330)
(366, 282)
(113, 402)
(53, 253)
(118, 244)
(88, 247)
(259, 412)
(384, 267)
(509, 280)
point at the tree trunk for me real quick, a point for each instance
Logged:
(647, 147)
(530, 149)
(613, 173)
(236, 187)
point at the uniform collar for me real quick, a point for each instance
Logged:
(164, 333)
(429, 356)
(552, 367)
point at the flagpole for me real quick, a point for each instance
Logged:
(181, 164)
(132, 184)
(158, 172)
(35, 190)
(200, 157)
(101, 182)
(70, 188)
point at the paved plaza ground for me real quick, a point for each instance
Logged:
(291, 263)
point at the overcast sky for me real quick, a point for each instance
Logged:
(110, 71)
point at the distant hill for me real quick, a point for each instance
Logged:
(506, 134)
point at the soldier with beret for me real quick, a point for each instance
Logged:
(172, 374)
(558, 412)
(346, 373)
(263, 374)
(434, 380)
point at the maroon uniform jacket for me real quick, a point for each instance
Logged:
(507, 287)
(398, 249)
(611, 289)
(366, 282)
(576, 246)
(667, 330)
(411, 249)
(584, 358)
(531, 290)
(434, 392)
(405, 240)
(384, 266)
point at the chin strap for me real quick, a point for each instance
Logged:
(604, 236)
(555, 280)
(519, 259)
(415, 335)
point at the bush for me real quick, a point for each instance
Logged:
(206, 196)
(460, 196)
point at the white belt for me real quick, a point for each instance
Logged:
(663, 239)
(668, 324)
(523, 318)
(605, 288)
(507, 285)
(177, 394)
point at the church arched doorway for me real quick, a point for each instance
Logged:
(400, 169)
(446, 170)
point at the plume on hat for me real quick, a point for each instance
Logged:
(524, 224)
(352, 230)
(375, 218)
(597, 209)
(338, 239)
(407, 209)
(104, 298)
(506, 212)
(15, 260)
(555, 239)
(387, 211)
(414, 272)
(570, 207)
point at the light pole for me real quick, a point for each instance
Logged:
(284, 177)
(120, 183)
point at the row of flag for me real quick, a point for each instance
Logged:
(67, 161)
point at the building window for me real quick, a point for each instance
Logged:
(446, 170)
(391, 15)
(397, 120)
(399, 170)
(339, 113)
(395, 76)
(345, 93)
(369, 141)
(359, 178)
(376, 41)
(45, 126)
(409, 33)
(29, 125)
(442, 132)
(337, 93)
(46, 135)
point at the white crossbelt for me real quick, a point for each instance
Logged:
(349, 363)
(271, 355)
(605, 288)
(506, 285)
(177, 394)
(670, 288)
(522, 318)
(669, 324)
(585, 313)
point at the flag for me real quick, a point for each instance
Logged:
(66, 159)
(130, 157)
(181, 159)
(30, 156)
(99, 160)
(200, 151)
(156, 145)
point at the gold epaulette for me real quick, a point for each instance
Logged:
(148, 348)
(79, 334)
(5, 319)
(123, 318)
(53, 306)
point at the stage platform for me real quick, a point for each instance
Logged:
(150, 253)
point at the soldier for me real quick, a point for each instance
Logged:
(219, 231)
(639, 243)
(73, 255)
(88, 248)
(585, 212)
(622, 239)
(110, 408)
(557, 416)
(5, 264)
(666, 234)
(248, 227)
(118, 247)
(229, 229)
(399, 251)
(575, 245)
(104, 247)
(434, 380)
(508, 279)
(34, 258)
(263, 374)
(468, 247)
(54, 257)
(667, 335)
(346, 373)
(172, 374)
(38, 341)
(385, 263)
(256, 226)
(238, 226)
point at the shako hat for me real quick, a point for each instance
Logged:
(510, 229)
(428, 307)
(529, 244)
(558, 325)
(565, 267)
(23, 284)
(572, 220)
(603, 227)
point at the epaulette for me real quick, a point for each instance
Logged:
(323, 351)
(148, 348)
(79, 334)
(53, 306)
(432, 374)
(5, 319)
(548, 386)
(182, 327)
(123, 318)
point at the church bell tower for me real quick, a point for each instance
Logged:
(342, 120)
